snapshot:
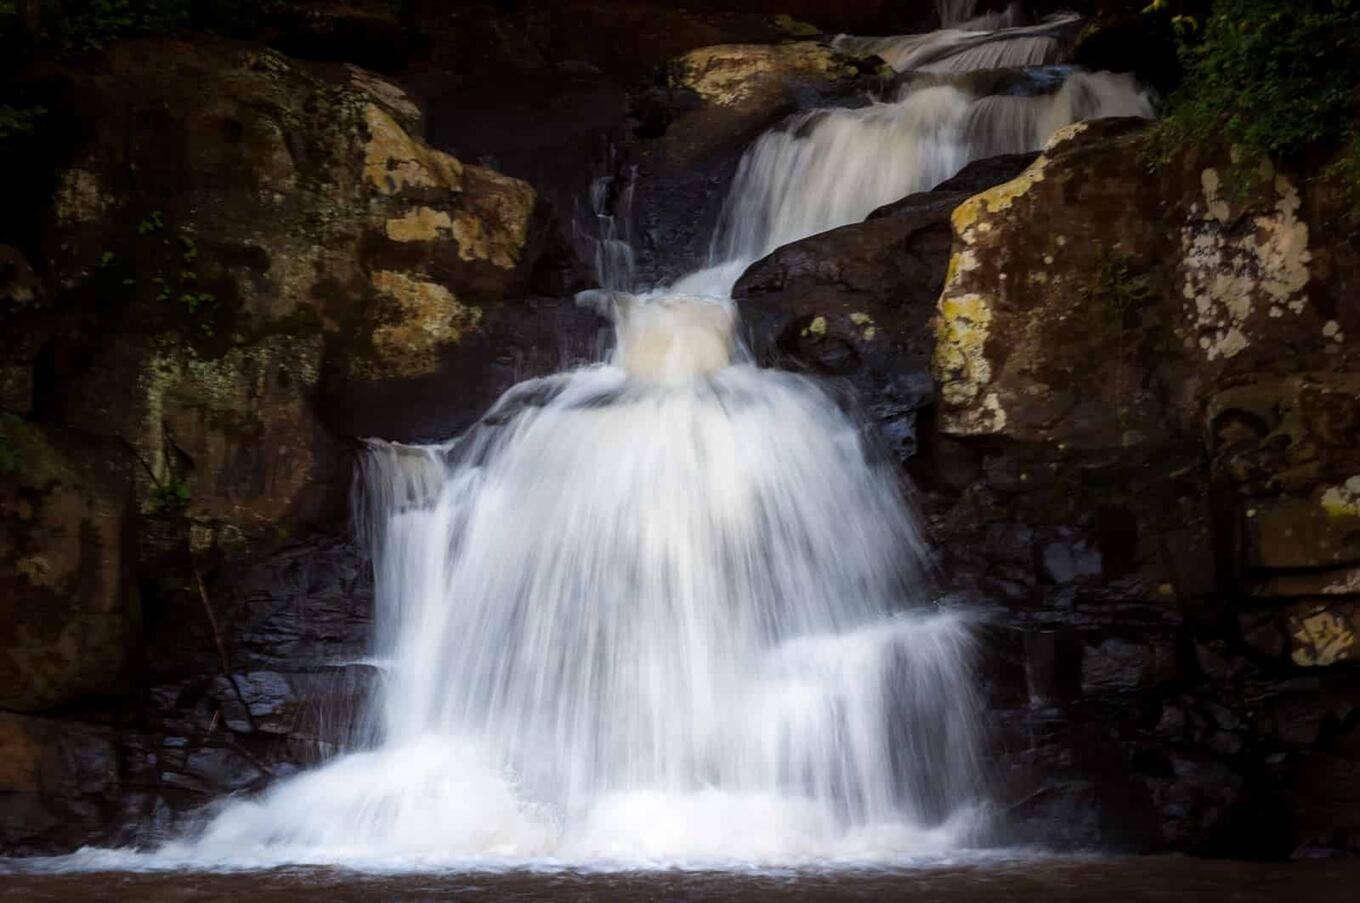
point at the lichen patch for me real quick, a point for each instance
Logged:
(427, 317)
(421, 224)
(393, 160)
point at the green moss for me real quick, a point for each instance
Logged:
(19, 122)
(791, 26)
(162, 265)
(170, 497)
(1114, 289)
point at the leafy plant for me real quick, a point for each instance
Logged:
(170, 254)
(93, 24)
(153, 223)
(1274, 80)
(170, 497)
(16, 122)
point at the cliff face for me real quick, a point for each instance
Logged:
(1128, 399)
(244, 263)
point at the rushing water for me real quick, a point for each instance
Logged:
(667, 609)
(994, 41)
(831, 167)
(660, 609)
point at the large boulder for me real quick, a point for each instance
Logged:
(1154, 376)
(855, 303)
(299, 264)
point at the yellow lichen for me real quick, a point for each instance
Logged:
(728, 74)
(1344, 500)
(421, 224)
(816, 327)
(393, 160)
(997, 199)
(428, 317)
(959, 362)
(1322, 637)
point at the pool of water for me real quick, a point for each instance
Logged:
(1048, 879)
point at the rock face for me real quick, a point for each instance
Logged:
(854, 303)
(1133, 408)
(1165, 379)
(695, 124)
(244, 263)
(64, 578)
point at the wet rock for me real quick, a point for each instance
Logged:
(213, 771)
(321, 705)
(64, 581)
(856, 302)
(1070, 560)
(1116, 664)
(750, 76)
(58, 781)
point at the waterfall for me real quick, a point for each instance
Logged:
(669, 608)
(830, 167)
(602, 234)
(994, 41)
(952, 12)
(664, 607)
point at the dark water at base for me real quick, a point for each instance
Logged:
(1052, 880)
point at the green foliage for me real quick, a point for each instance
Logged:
(170, 497)
(153, 223)
(93, 24)
(17, 122)
(78, 26)
(1275, 80)
(791, 26)
(165, 265)
(11, 458)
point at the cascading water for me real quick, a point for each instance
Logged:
(831, 167)
(655, 609)
(993, 41)
(667, 608)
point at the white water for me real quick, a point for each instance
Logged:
(665, 609)
(661, 609)
(994, 41)
(827, 168)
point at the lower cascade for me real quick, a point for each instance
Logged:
(669, 608)
(663, 608)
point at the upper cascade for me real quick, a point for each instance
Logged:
(995, 41)
(831, 167)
